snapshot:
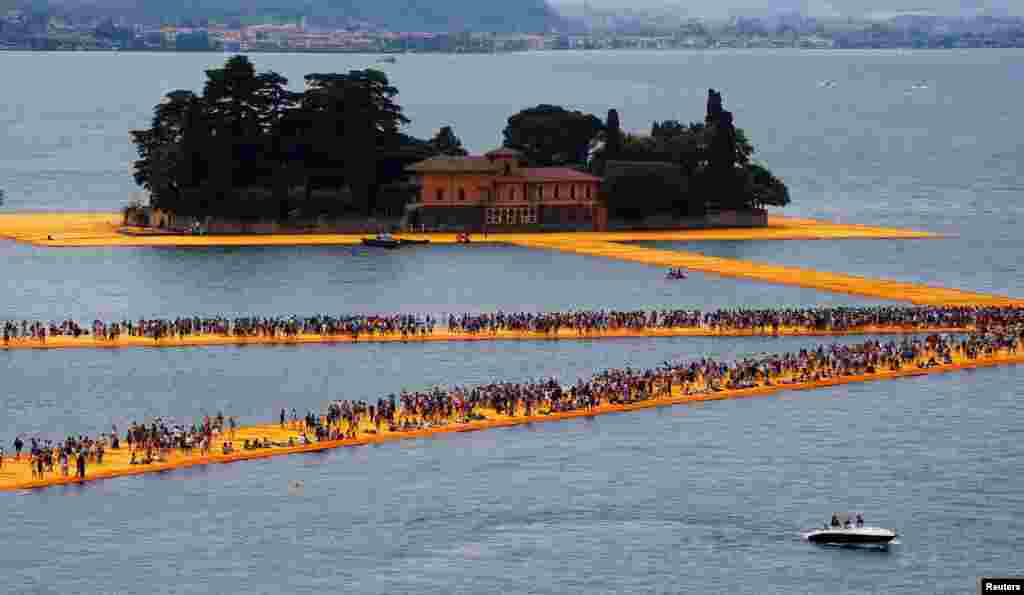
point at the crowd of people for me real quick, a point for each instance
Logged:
(823, 319)
(156, 440)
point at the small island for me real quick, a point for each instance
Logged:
(248, 155)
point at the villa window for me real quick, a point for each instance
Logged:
(462, 194)
(572, 192)
(556, 191)
(440, 194)
(588, 192)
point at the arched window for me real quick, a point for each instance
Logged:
(462, 194)
(556, 191)
(588, 191)
(508, 169)
(572, 192)
(440, 194)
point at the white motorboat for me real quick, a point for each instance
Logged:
(842, 532)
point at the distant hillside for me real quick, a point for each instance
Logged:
(501, 16)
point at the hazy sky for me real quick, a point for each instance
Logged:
(822, 8)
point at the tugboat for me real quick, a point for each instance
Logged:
(841, 532)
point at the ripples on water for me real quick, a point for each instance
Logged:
(270, 281)
(701, 498)
(669, 500)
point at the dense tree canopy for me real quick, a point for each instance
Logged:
(446, 143)
(248, 147)
(551, 135)
(713, 159)
(244, 145)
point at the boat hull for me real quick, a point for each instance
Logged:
(381, 243)
(863, 536)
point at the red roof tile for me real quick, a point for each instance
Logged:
(442, 164)
(557, 174)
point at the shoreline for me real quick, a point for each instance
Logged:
(101, 229)
(444, 335)
(187, 461)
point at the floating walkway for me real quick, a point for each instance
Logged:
(445, 335)
(16, 475)
(104, 229)
(923, 295)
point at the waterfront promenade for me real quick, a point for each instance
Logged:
(291, 437)
(71, 230)
(445, 335)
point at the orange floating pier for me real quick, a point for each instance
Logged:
(444, 335)
(105, 229)
(16, 475)
(770, 273)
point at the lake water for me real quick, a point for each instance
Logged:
(685, 499)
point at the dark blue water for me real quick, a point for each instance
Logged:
(674, 500)
(687, 499)
(968, 264)
(110, 283)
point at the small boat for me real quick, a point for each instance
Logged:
(386, 240)
(383, 240)
(388, 60)
(841, 532)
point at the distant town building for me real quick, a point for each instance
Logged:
(497, 191)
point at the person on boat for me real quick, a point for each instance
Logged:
(860, 520)
(835, 520)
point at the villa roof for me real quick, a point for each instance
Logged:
(445, 164)
(482, 165)
(557, 174)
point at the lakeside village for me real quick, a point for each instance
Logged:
(53, 30)
(249, 156)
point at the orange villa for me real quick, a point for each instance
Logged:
(497, 191)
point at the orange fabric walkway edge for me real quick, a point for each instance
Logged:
(104, 229)
(443, 335)
(17, 476)
(770, 273)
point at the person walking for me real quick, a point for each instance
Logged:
(81, 465)
(18, 445)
